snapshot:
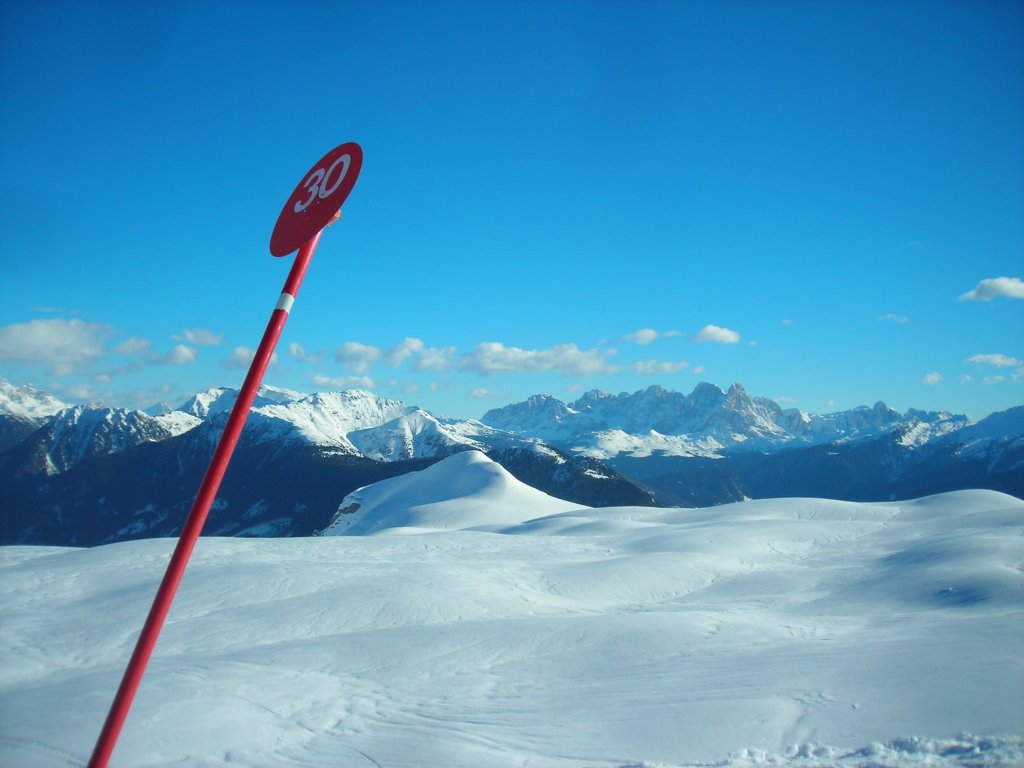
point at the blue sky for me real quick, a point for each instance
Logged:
(817, 200)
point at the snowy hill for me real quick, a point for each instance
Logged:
(787, 632)
(709, 422)
(466, 491)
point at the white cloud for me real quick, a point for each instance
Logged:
(435, 359)
(786, 323)
(181, 355)
(642, 337)
(80, 392)
(242, 357)
(479, 394)
(357, 357)
(653, 367)
(717, 335)
(299, 353)
(993, 380)
(399, 353)
(344, 382)
(645, 336)
(932, 378)
(133, 347)
(63, 346)
(986, 290)
(494, 357)
(999, 361)
(894, 318)
(200, 337)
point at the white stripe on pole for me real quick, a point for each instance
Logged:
(285, 302)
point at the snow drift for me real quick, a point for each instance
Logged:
(785, 632)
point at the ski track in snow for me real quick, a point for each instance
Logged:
(789, 632)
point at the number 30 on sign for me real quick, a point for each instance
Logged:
(317, 198)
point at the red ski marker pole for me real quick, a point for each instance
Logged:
(312, 206)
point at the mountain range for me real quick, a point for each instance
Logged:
(708, 423)
(84, 475)
(90, 475)
(714, 446)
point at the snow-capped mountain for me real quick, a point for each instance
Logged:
(95, 475)
(218, 400)
(23, 410)
(28, 402)
(91, 475)
(994, 436)
(352, 422)
(709, 422)
(80, 432)
(703, 423)
(359, 423)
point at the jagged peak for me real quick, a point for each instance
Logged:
(540, 400)
(587, 399)
(705, 387)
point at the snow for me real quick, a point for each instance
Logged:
(351, 422)
(27, 402)
(708, 422)
(80, 431)
(990, 436)
(218, 400)
(609, 443)
(177, 422)
(485, 624)
(544, 450)
(466, 491)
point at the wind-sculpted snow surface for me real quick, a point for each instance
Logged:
(795, 632)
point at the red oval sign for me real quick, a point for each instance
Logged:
(318, 197)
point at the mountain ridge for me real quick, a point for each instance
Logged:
(709, 422)
(91, 475)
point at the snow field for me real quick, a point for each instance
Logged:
(786, 632)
